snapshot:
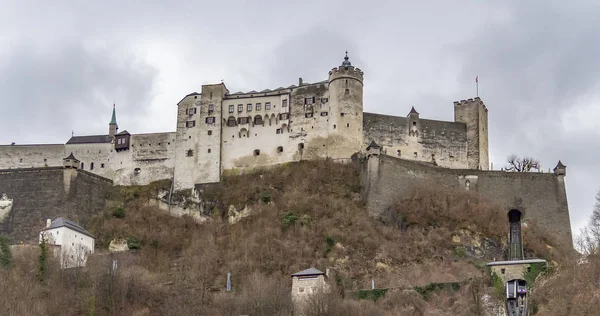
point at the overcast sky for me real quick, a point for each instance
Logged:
(64, 63)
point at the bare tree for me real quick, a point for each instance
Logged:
(588, 241)
(522, 164)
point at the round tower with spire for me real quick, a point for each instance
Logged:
(345, 123)
(112, 126)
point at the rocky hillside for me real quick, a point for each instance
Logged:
(426, 255)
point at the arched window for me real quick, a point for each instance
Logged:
(82, 166)
(231, 121)
(92, 166)
(258, 120)
(280, 149)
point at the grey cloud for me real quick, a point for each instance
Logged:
(46, 94)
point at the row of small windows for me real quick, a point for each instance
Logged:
(257, 106)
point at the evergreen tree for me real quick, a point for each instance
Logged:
(5, 253)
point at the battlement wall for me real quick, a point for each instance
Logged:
(31, 156)
(540, 196)
(442, 142)
(36, 194)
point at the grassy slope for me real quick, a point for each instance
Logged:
(308, 214)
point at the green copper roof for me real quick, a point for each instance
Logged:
(113, 121)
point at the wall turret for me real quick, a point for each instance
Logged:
(474, 114)
(346, 110)
(112, 126)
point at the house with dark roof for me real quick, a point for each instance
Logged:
(75, 242)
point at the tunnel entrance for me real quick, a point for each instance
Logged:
(515, 252)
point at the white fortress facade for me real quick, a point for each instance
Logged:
(219, 132)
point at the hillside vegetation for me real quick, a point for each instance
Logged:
(429, 249)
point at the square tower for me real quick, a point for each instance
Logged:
(474, 114)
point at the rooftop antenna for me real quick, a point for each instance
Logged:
(477, 84)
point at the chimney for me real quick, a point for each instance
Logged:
(48, 222)
(299, 82)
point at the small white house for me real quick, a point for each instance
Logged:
(75, 242)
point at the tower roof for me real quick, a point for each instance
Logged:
(71, 157)
(413, 111)
(346, 61)
(373, 144)
(307, 272)
(113, 120)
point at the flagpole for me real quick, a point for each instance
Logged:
(477, 84)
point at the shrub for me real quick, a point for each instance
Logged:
(288, 220)
(133, 243)
(119, 213)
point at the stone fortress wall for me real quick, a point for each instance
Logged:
(32, 195)
(539, 196)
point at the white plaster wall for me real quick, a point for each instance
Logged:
(75, 246)
(31, 156)
(152, 153)
(93, 153)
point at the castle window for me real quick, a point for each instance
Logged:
(137, 170)
(243, 120)
(45, 159)
(324, 100)
(414, 123)
(346, 81)
(258, 120)
(333, 126)
(21, 160)
(211, 108)
(256, 152)
(415, 154)
(284, 103)
(347, 124)
(209, 150)
(210, 120)
(267, 106)
(211, 95)
(209, 133)
(82, 165)
(502, 270)
(249, 107)
(258, 105)
(347, 91)
(342, 114)
(301, 146)
(190, 153)
(283, 116)
(195, 97)
(240, 108)
(188, 124)
(231, 121)
(101, 165)
(398, 152)
(280, 149)
(278, 131)
(307, 115)
(324, 113)
(92, 166)
(231, 108)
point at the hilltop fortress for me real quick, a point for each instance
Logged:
(220, 132)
